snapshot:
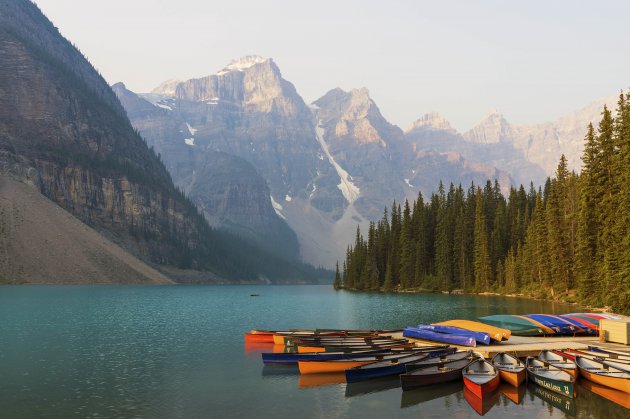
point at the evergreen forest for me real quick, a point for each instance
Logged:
(568, 240)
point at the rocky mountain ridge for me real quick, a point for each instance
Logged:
(329, 166)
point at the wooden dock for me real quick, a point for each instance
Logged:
(523, 346)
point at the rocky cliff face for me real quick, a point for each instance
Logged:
(328, 167)
(542, 144)
(63, 130)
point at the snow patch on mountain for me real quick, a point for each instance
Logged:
(348, 189)
(164, 106)
(277, 208)
(243, 63)
(189, 141)
(409, 184)
(191, 129)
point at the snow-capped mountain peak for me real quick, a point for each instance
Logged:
(243, 63)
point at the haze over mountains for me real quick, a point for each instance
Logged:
(331, 164)
(64, 133)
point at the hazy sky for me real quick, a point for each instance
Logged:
(532, 60)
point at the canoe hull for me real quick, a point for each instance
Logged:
(413, 381)
(514, 378)
(359, 374)
(495, 333)
(561, 387)
(482, 390)
(426, 334)
(320, 367)
(259, 338)
(616, 383)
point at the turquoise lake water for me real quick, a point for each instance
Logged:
(178, 352)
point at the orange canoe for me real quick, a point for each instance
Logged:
(605, 375)
(259, 337)
(317, 367)
(496, 333)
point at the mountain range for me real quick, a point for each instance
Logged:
(331, 164)
(117, 214)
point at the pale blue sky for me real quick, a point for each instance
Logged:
(532, 60)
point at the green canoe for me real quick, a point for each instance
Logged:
(519, 326)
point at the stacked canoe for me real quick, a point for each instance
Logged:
(549, 324)
(458, 332)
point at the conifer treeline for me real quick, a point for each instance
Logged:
(569, 240)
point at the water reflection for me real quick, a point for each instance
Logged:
(372, 386)
(481, 405)
(566, 404)
(514, 394)
(425, 394)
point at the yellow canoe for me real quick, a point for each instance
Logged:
(496, 333)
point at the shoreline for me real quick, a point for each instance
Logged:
(486, 294)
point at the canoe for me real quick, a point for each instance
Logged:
(452, 356)
(599, 355)
(588, 321)
(582, 324)
(383, 368)
(350, 348)
(615, 396)
(511, 369)
(559, 360)
(292, 341)
(258, 337)
(481, 405)
(481, 378)
(339, 365)
(610, 352)
(435, 374)
(548, 330)
(516, 325)
(602, 374)
(515, 394)
(564, 403)
(557, 324)
(293, 358)
(480, 337)
(425, 334)
(549, 377)
(496, 333)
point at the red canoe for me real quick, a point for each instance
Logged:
(481, 378)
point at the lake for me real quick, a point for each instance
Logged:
(178, 352)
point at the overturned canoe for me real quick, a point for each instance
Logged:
(511, 369)
(605, 375)
(557, 324)
(517, 325)
(496, 333)
(425, 334)
(480, 337)
(550, 377)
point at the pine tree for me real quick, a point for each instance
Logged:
(482, 268)
(337, 283)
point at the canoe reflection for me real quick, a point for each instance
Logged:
(317, 380)
(372, 386)
(481, 406)
(566, 404)
(515, 394)
(425, 394)
(615, 396)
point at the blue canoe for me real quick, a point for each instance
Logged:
(559, 325)
(586, 329)
(426, 334)
(480, 337)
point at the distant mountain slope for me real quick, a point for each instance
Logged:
(42, 243)
(329, 166)
(63, 130)
(228, 189)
